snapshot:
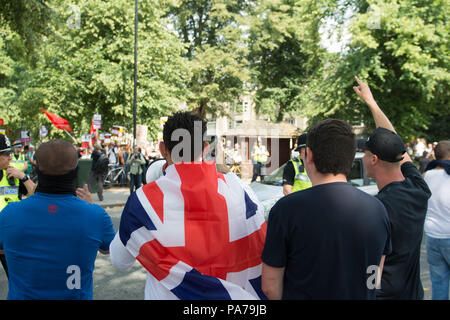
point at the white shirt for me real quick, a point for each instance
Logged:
(437, 221)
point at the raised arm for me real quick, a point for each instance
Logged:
(381, 120)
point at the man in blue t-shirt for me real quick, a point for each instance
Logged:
(328, 241)
(51, 239)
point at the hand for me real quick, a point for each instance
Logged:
(363, 91)
(84, 194)
(13, 172)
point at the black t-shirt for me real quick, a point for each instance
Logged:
(95, 156)
(326, 237)
(22, 189)
(406, 203)
(289, 172)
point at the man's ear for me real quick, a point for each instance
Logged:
(163, 149)
(309, 156)
(374, 159)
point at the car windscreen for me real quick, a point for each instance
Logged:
(275, 178)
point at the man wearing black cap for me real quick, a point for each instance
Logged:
(13, 183)
(294, 173)
(405, 194)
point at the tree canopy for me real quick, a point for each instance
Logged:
(75, 58)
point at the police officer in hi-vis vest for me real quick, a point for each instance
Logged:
(13, 183)
(294, 174)
(18, 159)
(259, 155)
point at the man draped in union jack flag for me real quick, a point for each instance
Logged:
(197, 232)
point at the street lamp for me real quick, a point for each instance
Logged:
(135, 68)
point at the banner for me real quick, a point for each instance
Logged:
(59, 122)
(107, 138)
(85, 140)
(43, 131)
(97, 121)
(141, 135)
(25, 136)
(117, 131)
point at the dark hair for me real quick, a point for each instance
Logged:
(189, 123)
(334, 145)
(442, 150)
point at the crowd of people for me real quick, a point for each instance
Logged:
(200, 232)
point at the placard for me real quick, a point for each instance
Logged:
(97, 121)
(43, 131)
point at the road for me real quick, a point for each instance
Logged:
(113, 284)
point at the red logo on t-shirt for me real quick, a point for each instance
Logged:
(52, 208)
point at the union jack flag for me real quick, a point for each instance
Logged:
(198, 232)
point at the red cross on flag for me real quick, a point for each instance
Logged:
(198, 233)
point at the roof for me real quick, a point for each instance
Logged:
(263, 128)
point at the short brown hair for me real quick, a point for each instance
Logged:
(442, 150)
(334, 145)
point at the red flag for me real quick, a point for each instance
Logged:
(59, 122)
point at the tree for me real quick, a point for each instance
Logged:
(212, 31)
(401, 49)
(86, 66)
(284, 52)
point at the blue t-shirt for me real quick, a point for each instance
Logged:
(51, 243)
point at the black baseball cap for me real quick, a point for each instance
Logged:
(385, 144)
(5, 146)
(301, 141)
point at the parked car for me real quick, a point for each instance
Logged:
(270, 189)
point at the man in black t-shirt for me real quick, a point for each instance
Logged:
(327, 241)
(405, 195)
(94, 175)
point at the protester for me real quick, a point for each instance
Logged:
(136, 161)
(198, 233)
(294, 174)
(97, 172)
(322, 242)
(437, 221)
(424, 161)
(259, 158)
(51, 239)
(13, 184)
(405, 194)
(28, 153)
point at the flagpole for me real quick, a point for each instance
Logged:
(70, 135)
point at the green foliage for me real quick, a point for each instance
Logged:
(75, 58)
(213, 32)
(401, 49)
(86, 66)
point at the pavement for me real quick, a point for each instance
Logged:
(113, 197)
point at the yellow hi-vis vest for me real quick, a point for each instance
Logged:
(17, 163)
(301, 181)
(260, 154)
(8, 193)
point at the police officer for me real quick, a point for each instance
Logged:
(294, 174)
(13, 183)
(259, 158)
(18, 159)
